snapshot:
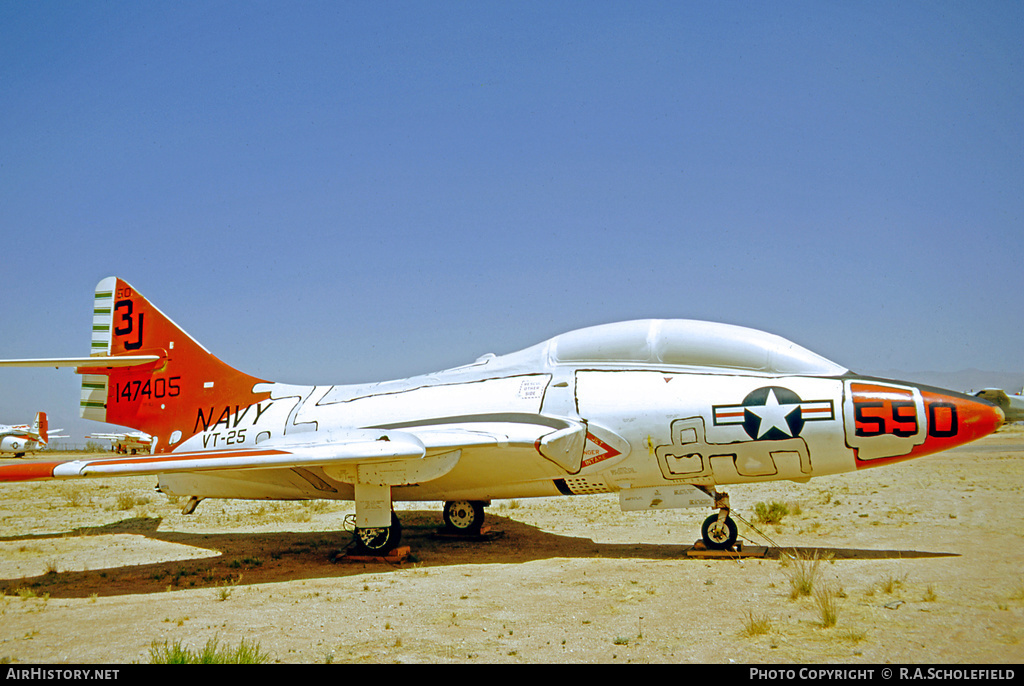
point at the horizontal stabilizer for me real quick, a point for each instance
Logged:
(98, 362)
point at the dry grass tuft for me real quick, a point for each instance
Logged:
(892, 583)
(803, 574)
(756, 626)
(826, 597)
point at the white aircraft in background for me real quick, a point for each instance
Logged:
(22, 438)
(1011, 405)
(660, 412)
(131, 443)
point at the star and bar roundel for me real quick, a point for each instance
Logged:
(773, 413)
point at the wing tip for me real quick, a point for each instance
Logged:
(28, 471)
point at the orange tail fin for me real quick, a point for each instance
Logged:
(42, 427)
(167, 397)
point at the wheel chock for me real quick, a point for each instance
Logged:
(700, 550)
(485, 534)
(396, 556)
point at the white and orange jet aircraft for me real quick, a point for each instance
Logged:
(659, 411)
(22, 438)
(131, 443)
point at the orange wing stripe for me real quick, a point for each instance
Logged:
(29, 471)
(178, 457)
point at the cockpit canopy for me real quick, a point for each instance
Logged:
(689, 343)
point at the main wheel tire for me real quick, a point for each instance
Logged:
(718, 536)
(464, 516)
(379, 540)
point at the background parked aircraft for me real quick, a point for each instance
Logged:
(127, 443)
(22, 438)
(1011, 405)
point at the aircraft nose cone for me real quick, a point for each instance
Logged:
(892, 421)
(955, 419)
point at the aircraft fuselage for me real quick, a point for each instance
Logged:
(648, 424)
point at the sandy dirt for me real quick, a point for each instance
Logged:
(925, 560)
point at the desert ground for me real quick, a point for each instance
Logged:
(921, 562)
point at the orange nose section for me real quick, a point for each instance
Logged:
(956, 419)
(888, 422)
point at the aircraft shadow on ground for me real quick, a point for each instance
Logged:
(256, 558)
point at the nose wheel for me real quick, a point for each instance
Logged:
(718, 533)
(719, 530)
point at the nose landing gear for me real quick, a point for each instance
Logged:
(719, 530)
(718, 533)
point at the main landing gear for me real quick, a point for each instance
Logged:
(461, 518)
(466, 517)
(719, 530)
(379, 541)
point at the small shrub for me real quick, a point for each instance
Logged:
(247, 653)
(72, 497)
(770, 513)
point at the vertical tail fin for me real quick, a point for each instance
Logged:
(164, 398)
(40, 427)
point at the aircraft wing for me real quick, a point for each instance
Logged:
(20, 432)
(356, 446)
(558, 439)
(393, 454)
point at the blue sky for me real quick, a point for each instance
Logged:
(351, 191)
